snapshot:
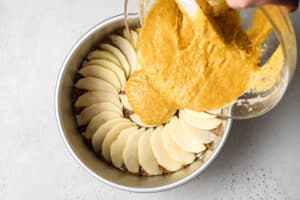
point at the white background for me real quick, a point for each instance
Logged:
(260, 160)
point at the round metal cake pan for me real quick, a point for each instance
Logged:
(74, 141)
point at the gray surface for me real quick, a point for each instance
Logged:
(260, 160)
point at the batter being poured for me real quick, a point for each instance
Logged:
(200, 63)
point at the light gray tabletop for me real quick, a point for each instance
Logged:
(260, 160)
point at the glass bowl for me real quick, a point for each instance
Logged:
(252, 103)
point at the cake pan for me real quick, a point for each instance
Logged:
(74, 141)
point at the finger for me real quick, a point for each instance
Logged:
(237, 4)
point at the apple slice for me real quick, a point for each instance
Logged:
(175, 152)
(109, 65)
(132, 36)
(93, 97)
(145, 154)
(137, 120)
(122, 58)
(215, 112)
(129, 51)
(124, 101)
(126, 34)
(87, 113)
(217, 141)
(185, 139)
(97, 121)
(103, 54)
(199, 115)
(205, 124)
(102, 73)
(134, 117)
(130, 153)
(117, 147)
(111, 136)
(101, 132)
(203, 136)
(92, 84)
(162, 156)
(207, 155)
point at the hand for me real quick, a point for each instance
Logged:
(290, 4)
